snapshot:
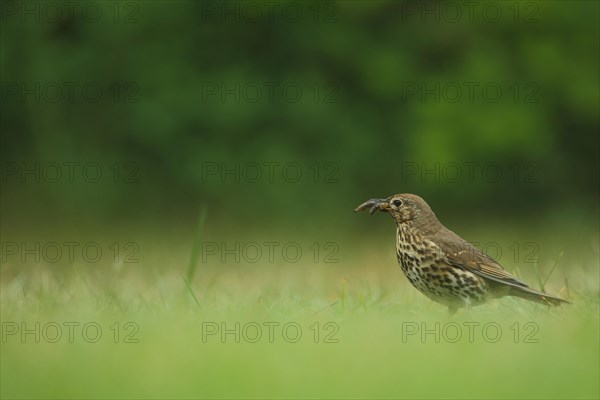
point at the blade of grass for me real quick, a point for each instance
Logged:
(343, 294)
(552, 270)
(196, 246)
(538, 275)
(189, 288)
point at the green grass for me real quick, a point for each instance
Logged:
(365, 310)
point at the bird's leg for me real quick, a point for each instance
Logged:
(467, 307)
(467, 304)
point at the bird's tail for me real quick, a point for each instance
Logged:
(539, 297)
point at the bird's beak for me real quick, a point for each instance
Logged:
(374, 205)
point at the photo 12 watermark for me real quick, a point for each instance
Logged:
(69, 332)
(53, 252)
(469, 92)
(470, 12)
(269, 172)
(270, 252)
(470, 172)
(69, 92)
(270, 12)
(269, 332)
(69, 12)
(518, 252)
(272, 92)
(469, 332)
(71, 172)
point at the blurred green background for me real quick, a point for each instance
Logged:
(121, 121)
(385, 87)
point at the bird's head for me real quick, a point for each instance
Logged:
(403, 208)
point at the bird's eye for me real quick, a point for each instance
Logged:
(397, 203)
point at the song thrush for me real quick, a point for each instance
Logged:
(442, 265)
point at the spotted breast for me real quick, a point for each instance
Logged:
(427, 269)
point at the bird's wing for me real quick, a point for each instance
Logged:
(462, 254)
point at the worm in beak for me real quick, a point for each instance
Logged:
(373, 205)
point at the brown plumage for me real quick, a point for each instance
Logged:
(441, 264)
